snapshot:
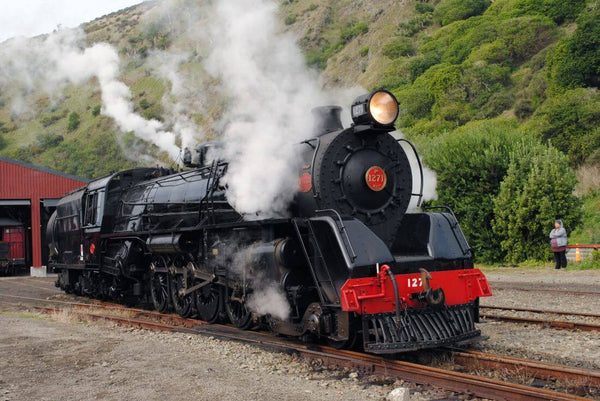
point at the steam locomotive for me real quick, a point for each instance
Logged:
(348, 265)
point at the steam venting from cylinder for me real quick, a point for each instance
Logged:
(326, 119)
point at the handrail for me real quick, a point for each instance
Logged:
(414, 149)
(342, 229)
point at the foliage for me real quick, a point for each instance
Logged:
(96, 110)
(589, 233)
(470, 163)
(415, 24)
(570, 122)
(538, 189)
(49, 140)
(559, 10)
(364, 51)
(398, 47)
(81, 158)
(144, 103)
(449, 11)
(2, 142)
(423, 8)
(593, 262)
(575, 62)
(50, 118)
(290, 19)
(74, 121)
(318, 56)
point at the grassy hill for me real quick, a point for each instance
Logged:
(452, 64)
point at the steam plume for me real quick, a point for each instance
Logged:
(53, 62)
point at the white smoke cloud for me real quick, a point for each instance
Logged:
(49, 64)
(269, 300)
(272, 93)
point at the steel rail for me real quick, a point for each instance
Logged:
(540, 370)
(550, 290)
(545, 311)
(554, 324)
(449, 380)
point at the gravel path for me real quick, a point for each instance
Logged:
(573, 348)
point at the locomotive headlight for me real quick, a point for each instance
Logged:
(378, 108)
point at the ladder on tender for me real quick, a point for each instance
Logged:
(309, 237)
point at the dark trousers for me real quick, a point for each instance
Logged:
(560, 259)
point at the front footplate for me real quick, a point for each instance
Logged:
(418, 329)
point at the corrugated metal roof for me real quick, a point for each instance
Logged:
(43, 169)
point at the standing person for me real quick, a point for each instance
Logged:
(558, 241)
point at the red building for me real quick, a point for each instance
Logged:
(28, 194)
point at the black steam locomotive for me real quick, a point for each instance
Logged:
(349, 263)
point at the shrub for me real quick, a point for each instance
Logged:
(144, 103)
(49, 140)
(570, 122)
(418, 65)
(415, 24)
(538, 189)
(2, 142)
(364, 51)
(398, 48)
(449, 11)
(470, 163)
(423, 8)
(96, 110)
(290, 19)
(74, 121)
(349, 33)
(524, 108)
(575, 62)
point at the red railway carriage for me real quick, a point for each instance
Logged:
(12, 247)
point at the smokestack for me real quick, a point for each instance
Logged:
(326, 119)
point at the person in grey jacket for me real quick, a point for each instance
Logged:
(558, 241)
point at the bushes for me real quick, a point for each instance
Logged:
(73, 122)
(470, 164)
(570, 122)
(537, 190)
(575, 62)
(505, 187)
(48, 140)
(449, 11)
(398, 47)
(318, 56)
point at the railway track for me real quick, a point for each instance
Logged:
(544, 311)
(365, 363)
(548, 290)
(551, 323)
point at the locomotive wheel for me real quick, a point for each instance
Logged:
(354, 340)
(183, 305)
(208, 302)
(238, 314)
(159, 291)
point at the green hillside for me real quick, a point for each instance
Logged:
(514, 79)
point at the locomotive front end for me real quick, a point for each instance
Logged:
(405, 278)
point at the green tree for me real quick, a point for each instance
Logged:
(538, 188)
(449, 11)
(74, 122)
(570, 122)
(575, 62)
(470, 164)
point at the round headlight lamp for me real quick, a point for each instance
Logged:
(379, 108)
